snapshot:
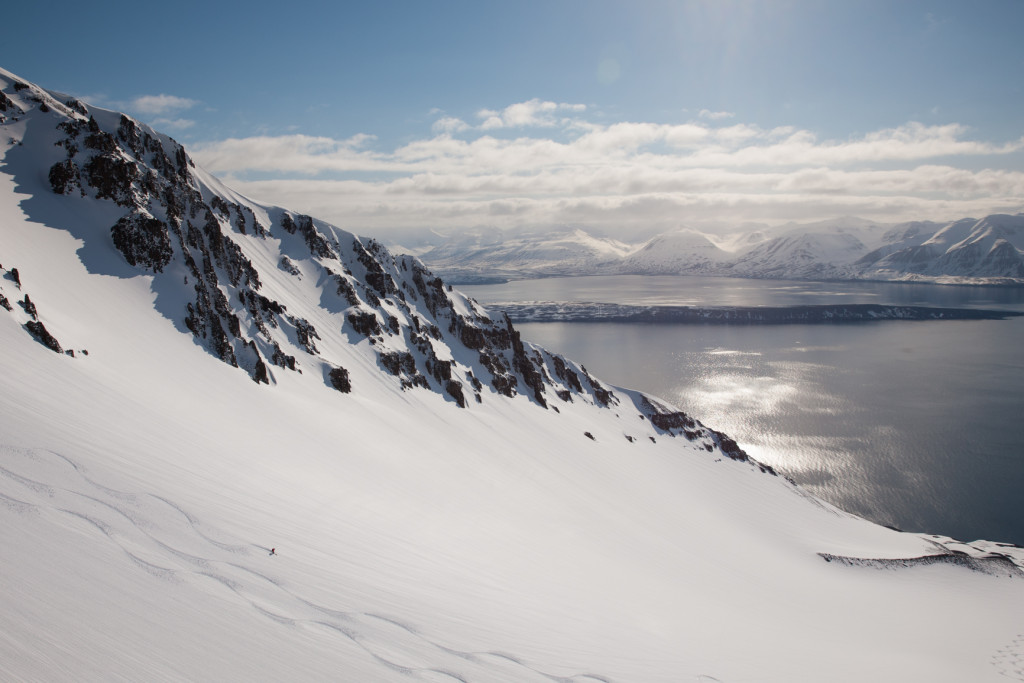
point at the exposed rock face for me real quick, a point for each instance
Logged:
(678, 423)
(365, 323)
(34, 326)
(454, 389)
(339, 380)
(168, 222)
(6, 105)
(305, 334)
(143, 240)
(38, 330)
(316, 242)
(29, 307)
(192, 236)
(204, 245)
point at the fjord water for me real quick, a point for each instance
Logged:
(913, 424)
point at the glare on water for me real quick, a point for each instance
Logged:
(912, 424)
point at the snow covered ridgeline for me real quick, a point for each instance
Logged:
(560, 311)
(267, 290)
(987, 251)
(209, 249)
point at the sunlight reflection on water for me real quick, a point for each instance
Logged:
(911, 424)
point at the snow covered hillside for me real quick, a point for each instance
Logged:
(684, 251)
(192, 378)
(477, 255)
(989, 251)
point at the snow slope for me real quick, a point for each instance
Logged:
(472, 255)
(685, 250)
(983, 250)
(819, 251)
(142, 483)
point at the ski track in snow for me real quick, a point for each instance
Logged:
(1009, 660)
(164, 540)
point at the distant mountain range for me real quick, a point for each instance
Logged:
(986, 251)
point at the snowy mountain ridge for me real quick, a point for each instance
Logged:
(193, 378)
(987, 251)
(483, 255)
(210, 252)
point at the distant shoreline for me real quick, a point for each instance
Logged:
(563, 312)
(473, 279)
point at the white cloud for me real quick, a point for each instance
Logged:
(491, 122)
(449, 124)
(623, 174)
(533, 113)
(173, 124)
(715, 115)
(156, 105)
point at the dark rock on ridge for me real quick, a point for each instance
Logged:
(203, 246)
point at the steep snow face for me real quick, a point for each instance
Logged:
(992, 248)
(802, 255)
(272, 292)
(984, 251)
(951, 234)
(144, 480)
(899, 237)
(262, 288)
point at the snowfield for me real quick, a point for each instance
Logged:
(144, 480)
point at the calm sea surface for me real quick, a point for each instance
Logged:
(914, 424)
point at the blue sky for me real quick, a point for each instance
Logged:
(622, 116)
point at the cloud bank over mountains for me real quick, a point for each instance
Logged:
(543, 163)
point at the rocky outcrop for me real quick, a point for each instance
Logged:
(339, 379)
(204, 246)
(34, 325)
(528, 368)
(305, 334)
(167, 221)
(39, 331)
(29, 307)
(173, 223)
(143, 241)
(678, 423)
(303, 225)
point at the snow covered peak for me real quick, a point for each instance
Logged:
(473, 254)
(841, 249)
(684, 249)
(952, 233)
(271, 291)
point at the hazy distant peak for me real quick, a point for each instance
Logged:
(836, 249)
